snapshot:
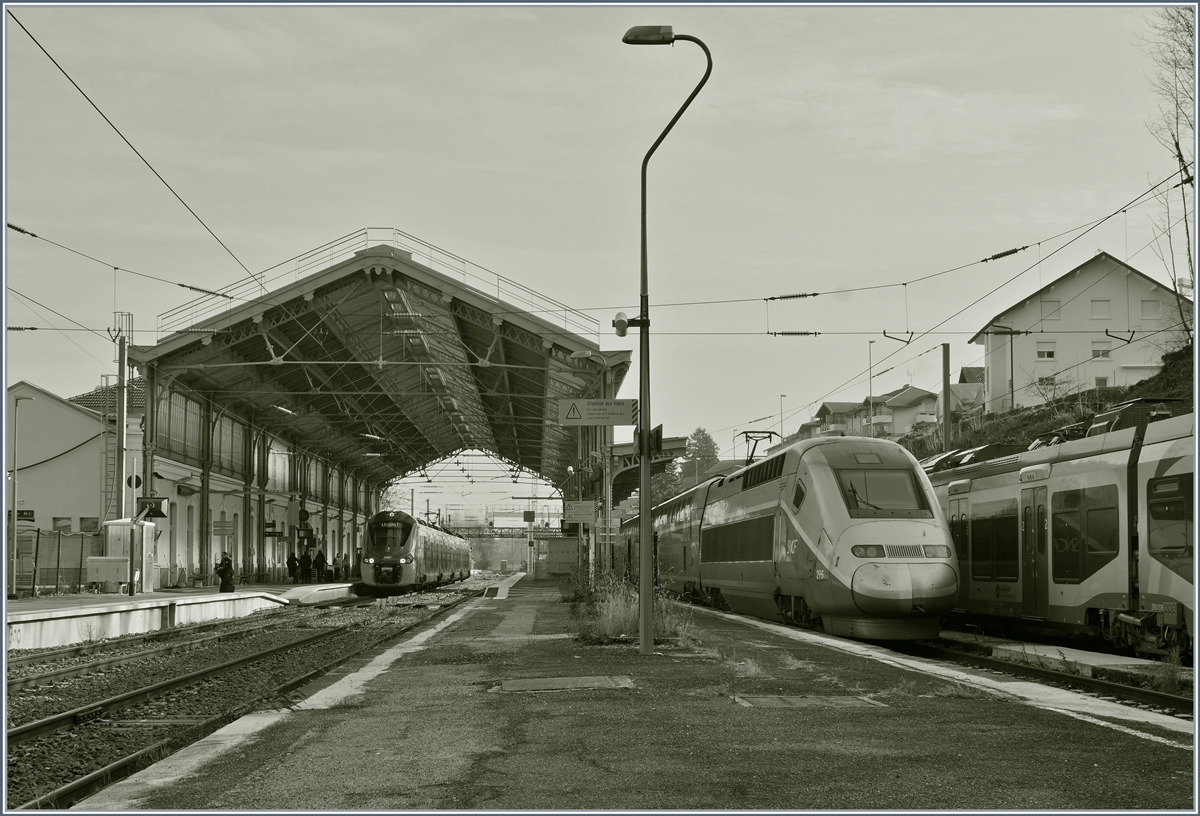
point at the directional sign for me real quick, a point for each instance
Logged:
(597, 412)
(580, 512)
(223, 528)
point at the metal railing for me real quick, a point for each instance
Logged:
(483, 281)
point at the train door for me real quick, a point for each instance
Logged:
(1035, 574)
(785, 559)
(958, 518)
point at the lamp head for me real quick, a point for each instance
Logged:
(649, 35)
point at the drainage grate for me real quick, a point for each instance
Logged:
(565, 683)
(807, 702)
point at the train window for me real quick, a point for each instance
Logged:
(995, 548)
(1170, 524)
(391, 534)
(981, 549)
(798, 496)
(881, 493)
(1085, 532)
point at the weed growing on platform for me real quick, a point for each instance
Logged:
(610, 612)
(1167, 675)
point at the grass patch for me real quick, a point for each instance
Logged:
(609, 610)
(1167, 675)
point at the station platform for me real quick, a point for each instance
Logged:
(51, 621)
(499, 705)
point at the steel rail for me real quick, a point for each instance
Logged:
(1158, 699)
(15, 684)
(79, 789)
(91, 711)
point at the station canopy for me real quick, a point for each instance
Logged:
(383, 355)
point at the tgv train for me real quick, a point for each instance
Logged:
(1094, 535)
(844, 532)
(402, 554)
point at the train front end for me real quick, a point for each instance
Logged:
(891, 559)
(389, 555)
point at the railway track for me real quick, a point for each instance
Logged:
(1167, 703)
(121, 658)
(58, 760)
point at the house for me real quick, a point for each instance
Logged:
(838, 417)
(1102, 324)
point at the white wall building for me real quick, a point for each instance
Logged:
(1102, 324)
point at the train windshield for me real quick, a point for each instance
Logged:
(391, 535)
(881, 493)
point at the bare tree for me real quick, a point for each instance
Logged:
(1171, 44)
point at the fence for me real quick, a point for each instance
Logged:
(52, 562)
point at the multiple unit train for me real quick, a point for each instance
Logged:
(1094, 534)
(402, 554)
(841, 531)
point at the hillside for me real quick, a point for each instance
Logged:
(1174, 380)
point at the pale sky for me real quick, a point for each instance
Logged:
(832, 148)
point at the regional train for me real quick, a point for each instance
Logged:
(1093, 535)
(844, 533)
(404, 554)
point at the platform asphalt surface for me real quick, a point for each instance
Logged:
(496, 707)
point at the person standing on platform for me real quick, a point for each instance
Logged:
(305, 567)
(225, 572)
(337, 568)
(293, 565)
(319, 566)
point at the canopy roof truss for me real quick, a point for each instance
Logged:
(383, 366)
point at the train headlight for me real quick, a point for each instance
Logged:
(868, 551)
(369, 560)
(403, 560)
(936, 550)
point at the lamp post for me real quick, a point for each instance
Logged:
(650, 35)
(12, 522)
(870, 389)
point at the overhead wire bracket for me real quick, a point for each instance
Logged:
(900, 339)
(1109, 333)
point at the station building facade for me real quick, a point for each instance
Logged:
(229, 487)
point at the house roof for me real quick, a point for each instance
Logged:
(971, 374)
(25, 385)
(828, 408)
(910, 395)
(106, 397)
(1091, 260)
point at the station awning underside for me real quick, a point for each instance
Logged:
(383, 366)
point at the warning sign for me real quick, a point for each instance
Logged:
(597, 412)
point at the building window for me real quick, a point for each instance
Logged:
(1045, 350)
(1102, 382)
(1150, 309)
(1050, 310)
(1046, 381)
(1101, 309)
(89, 524)
(62, 524)
(1101, 348)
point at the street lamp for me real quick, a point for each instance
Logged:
(650, 35)
(12, 522)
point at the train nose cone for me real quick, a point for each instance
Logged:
(904, 589)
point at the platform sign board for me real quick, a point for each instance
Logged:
(223, 528)
(597, 412)
(580, 512)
